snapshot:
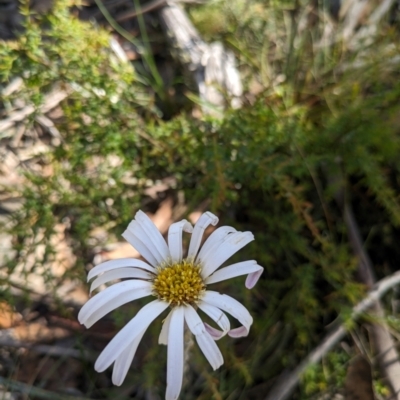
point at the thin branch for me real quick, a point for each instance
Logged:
(365, 270)
(49, 350)
(52, 100)
(380, 338)
(150, 6)
(35, 392)
(285, 385)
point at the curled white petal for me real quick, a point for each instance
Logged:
(216, 334)
(243, 268)
(212, 243)
(163, 338)
(238, 332)
(234, 308)
(132, 236)
(233, 243)
(124, 360)
(130, 331)
(175, 354)
(154, 234)
(175, 238)
(120, 263)
(121, 273)
(204, 221)
(217, 315)
(203, 338)
(253, 278)
(111, 298)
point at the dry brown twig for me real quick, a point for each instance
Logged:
(52, 100)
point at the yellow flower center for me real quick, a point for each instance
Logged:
(179, 283)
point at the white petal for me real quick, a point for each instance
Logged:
(210, 350)
(175, 238)
(216, 334)
(193, 321)
(242, 268)
(131, 236)
(217, 315)
(130, 331)
(175, 354)
(154, 234)
(253, 278)
(120, 273)
(204, 221)
(124, 361)
(203, 338)
(112, 298)
(214, 241)
(234, 308)
(238, 332)
(115, 264)
(163, 338)
(233, 243)
(144, 236)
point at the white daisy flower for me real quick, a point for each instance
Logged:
(177, 283)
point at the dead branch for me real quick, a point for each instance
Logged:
(13, 86)
(148, 7)
(48, 350)
(211, 67)
(286, 384)
(52, 100)
(35, 391)
(369, 30)
(381, 340)
(16, 116)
